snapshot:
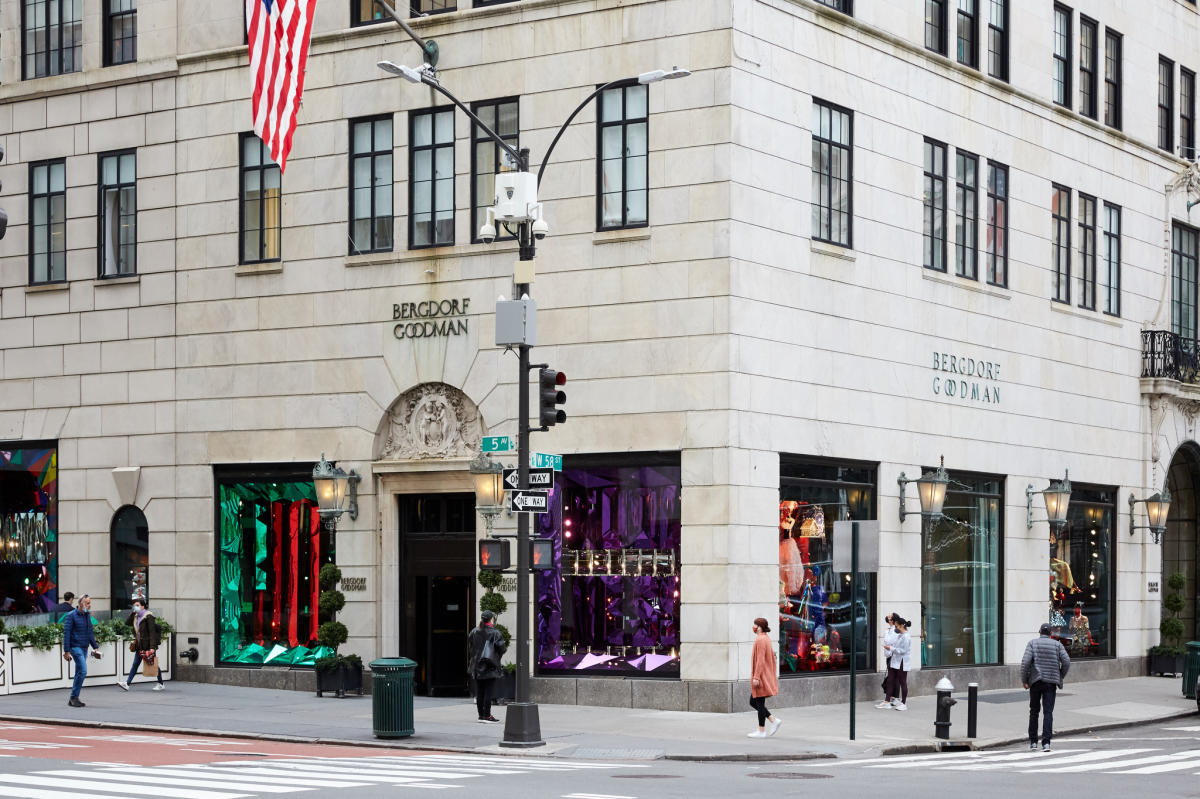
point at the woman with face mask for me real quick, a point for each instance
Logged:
(146, 639)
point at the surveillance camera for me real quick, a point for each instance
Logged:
(540, 229)
(487, 233)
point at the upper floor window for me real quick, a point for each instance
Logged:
(371, 185)
(48, 221)
(1060, 214)
(1183, 280)
(422, 7)
(53, 37)
(832, 173)
(260, 201)
(935, 26)
(624, 144)
(1112, 260)
(1062, 55)
(367, 12)
(120, 32)
(1089, 57)
(845, 6)
(1112, 78)
(1187, 114)
(997, 224)
(966, 205)
(431, 177)
(968, 33)
(502, 116)
(998, 39)
(118, 214)
(935, 205)
(1166, 104)
(1087, 251)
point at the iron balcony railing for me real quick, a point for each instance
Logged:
(1170, 355)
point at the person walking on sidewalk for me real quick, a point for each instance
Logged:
(764, 678)
(146, 640)
(1043, 669)
(63, 608)
(889, 640)
(77, 636)
(899, 663)
(486, 647)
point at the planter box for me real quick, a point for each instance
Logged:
(339, 681)
(506, 687)
(24, 669)
(1166, 664)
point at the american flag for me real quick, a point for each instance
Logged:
(278, 32)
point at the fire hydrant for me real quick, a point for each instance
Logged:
(944, 703)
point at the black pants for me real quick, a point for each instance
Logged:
(759, 703)
(484, 689)
(1042, 693)
(898, 684)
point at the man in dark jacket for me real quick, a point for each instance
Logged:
(486, 646)
(77, 636)
(1043, 669)
(64, 607)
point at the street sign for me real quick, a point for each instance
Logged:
(538, 478)
(528, 501)
(498, 444)
(540, 460)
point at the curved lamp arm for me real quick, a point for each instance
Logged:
(565, 125)
(433, 83)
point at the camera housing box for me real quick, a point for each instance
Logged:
(516, 322)
(516, 196)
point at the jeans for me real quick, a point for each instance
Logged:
(137, 662)
(759, 703)
(1043, 693)
(80, 657)
(483, 697)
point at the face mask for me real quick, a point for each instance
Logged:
(140, 612)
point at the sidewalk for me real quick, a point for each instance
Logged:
(602, 733)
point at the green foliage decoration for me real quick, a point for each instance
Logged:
(494, 602)
(490, 579)
(330, 602)
(42, 637)
(332, 634)
(1171, 627)
(500, 628)
(329, 576)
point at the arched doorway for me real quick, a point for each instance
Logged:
(1182, 540)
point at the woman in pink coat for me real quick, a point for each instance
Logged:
(764, 678)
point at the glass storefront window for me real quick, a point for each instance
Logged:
(28, 527)
(271, 545)
(815, 605)
(611, 604)
(960, 574)
(1082, 571)
(129, 571)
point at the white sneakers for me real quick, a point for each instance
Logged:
(158, 687)
(884, 705)
(756, 734)
(123, 685)
(900, 706)
(774, 726)
(893, 705)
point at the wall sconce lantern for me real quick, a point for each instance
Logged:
(333, 487)
(1058, 498)
(1157, 507)
(489, 488)
(931, 488)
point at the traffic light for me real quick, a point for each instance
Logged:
(493, 554)
(3, 213)
(541, 554)
(549, 397)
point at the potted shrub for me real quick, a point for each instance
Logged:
(506, 686)
(1167, 657)
(337, 673)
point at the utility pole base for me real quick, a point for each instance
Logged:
(522, 727)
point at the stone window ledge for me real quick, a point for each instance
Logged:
(832, 250)
(269, 268)
(965, 283)
(118, 281)
(615, 236)
(1095, 316)
(46, 288)
(428, 254)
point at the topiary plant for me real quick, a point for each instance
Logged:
(493, 600)
(1171, 627)
(332, 633)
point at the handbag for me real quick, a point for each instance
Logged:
(487, 656)
(132, 646)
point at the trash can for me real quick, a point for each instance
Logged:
(1191, 670)
(392, 697)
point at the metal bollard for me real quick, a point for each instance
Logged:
(944, 703)
(972, 708)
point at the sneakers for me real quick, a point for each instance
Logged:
(488, 720)
(1033, 746)
(899, 706)
(884, 705)
(1046, 748)
(158, 687)
(774, 728)
(124, 686)
(756, 734)
(75, 702)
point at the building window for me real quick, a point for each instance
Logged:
(118, 214)
(624, 143)
(966, 204)
(998, 39)
(431, 178)
(487, 159)
(1187, 114)
(29, 521)
(815, 605)
(997, 224)
(120, 32)
(1083, 573)
(1060, 211)
(1111, 279)
(832, 173)
(1112, 79)
(422, 7)
(960, 574)
(1062, 55)
(935, 205)
(1089, 56)
(1166, 104)
(935, 26)
(53, 37)
(371, 185)
(129, 552)
(260, 202)
(1183, 280)
(483, 3)
(48, 221)
(845, 6)
(612, 603)
(366, 12)
(968, 33)
(271, 545)
(1087, 251)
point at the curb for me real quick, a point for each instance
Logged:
(751, 758)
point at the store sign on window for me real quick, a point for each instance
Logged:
(431, 318)
(966, 378)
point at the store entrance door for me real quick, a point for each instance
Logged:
(1181, 544)
(437, 588)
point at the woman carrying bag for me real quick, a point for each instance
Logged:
(146, 640)
(764, 678)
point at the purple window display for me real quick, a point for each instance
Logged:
(611, 603)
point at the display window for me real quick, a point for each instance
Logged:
(28, 527)
(129, 566)
(1082, 573)
(815, 604)
(271, 545)
(960, 574)
(611, 602)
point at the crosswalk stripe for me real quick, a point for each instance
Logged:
(390, 775)
(1110, 765)
(22, 792)
(277, 775)
(358, 767)
(979, 760)
(158, 778)
(1046, 761)
(203, 774)
(89, 786)
(927, 759)
(530, 762)
(1162, 768)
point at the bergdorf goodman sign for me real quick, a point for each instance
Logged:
(431, 318)
(966, 379)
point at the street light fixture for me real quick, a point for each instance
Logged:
(931, 489)
(1058, 498)
(333, 487)
(655, 75)
(489, 488)
(1158, 505)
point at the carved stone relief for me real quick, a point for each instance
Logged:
(433, 420)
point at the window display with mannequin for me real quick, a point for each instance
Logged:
(1081, 573)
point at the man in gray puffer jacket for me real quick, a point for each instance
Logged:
(1043, 669)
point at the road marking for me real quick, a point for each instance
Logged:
(157, 778)
(1054, 760)
(18, 745)
(1110, 765)
(596, 796)
(89, 786)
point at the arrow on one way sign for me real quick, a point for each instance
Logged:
(538, 478)
(528, 501)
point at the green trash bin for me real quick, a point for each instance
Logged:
(392, 697)
(1191, 670)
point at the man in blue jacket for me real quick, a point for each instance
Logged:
(77, 636)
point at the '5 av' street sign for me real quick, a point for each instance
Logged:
(498, 444)
(538, 478)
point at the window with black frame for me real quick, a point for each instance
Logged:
(487, 159)
(935, 26)
(367, 12)
(48, 221)
(120, 32)
(53, 37)
(967, 38)
(1062, 54)
(815, 604)
(1166, 104)
(129, 550)
(1111, 274)
(371, 185)
(431, 177)
(997, 224)
(1083, 573)
(422, 7)
(117, 254)
(832, 173)
(1060, 214)
(1089, 59)
(1184, 279)
(966, 203)
(997, 39)
(623, 140)
(1112, 78)
(261, 202)
(1087, 251)
(934, 233)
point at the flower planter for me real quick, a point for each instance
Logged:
(1166, 664)
(339, 681)
(506, 687)
(27, 668)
